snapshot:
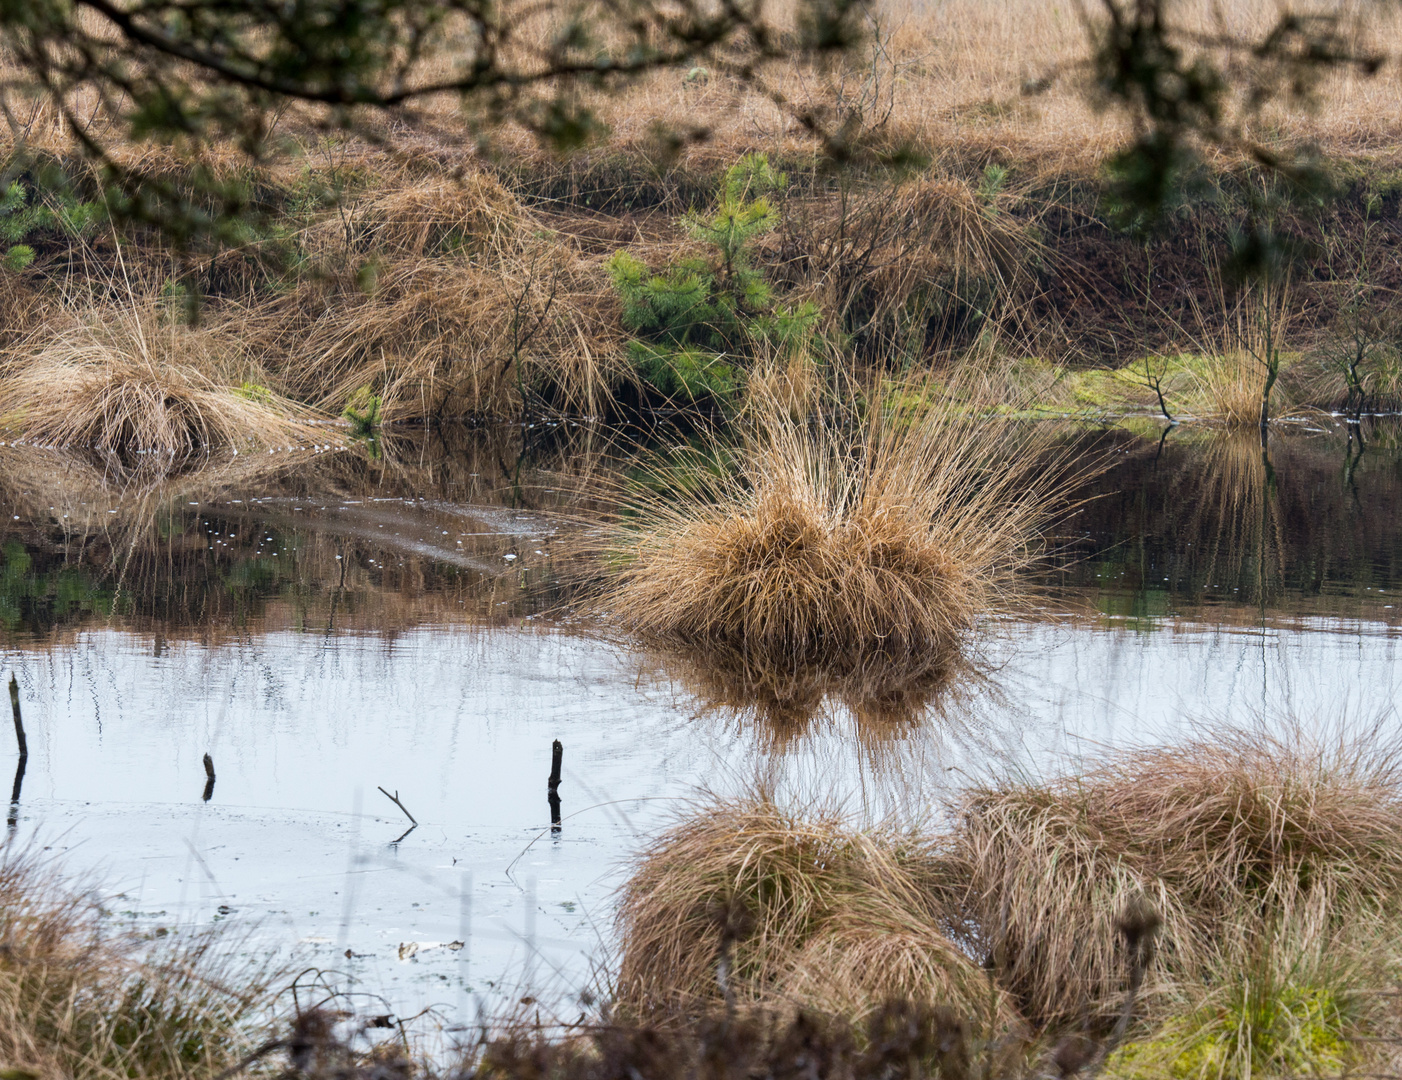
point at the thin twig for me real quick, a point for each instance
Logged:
(395, 799)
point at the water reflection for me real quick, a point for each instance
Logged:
(312, 539)
(785, 705)
(1235, 518)
(1208, 520)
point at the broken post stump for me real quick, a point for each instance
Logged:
(19, 722)
(557, 753)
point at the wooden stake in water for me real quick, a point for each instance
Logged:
(12, 820)
(19, 723)
(557, 753)
(208, 778)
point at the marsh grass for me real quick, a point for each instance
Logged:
(837, 541)
(1217, 834)
(1270, 865)
(78, 1000)
(447, 297)
(445, 337)
(471, 214)
(1241, 365)
(133, 379)
(794, 910)
(1289, 994)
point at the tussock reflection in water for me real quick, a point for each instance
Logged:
(1236, 515)
(439, 526)
(886, 704)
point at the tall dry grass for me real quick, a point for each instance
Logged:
(836, 541)
(1224, 835)
(927, 262)
(1263, 869)
(1243, 365)
(448, 298)
(966, 80)
(80, 1001)
(133, 378)
(748, 904)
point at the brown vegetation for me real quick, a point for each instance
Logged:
(79, 1001)
(448, 298)
(836, 544)
(452, 282)
(135, 379)
(1253, 854)
(1214, 832)
(794, 911)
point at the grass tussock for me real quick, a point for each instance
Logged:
(747, 902)
(1244, 828)
(445, 297)
(135, 379)
(471, 215)
(1243, 366)
(839, 542)
(921, 264)
(80, 1001)
(1264, 870)
(1277, 1000)
(445, 337)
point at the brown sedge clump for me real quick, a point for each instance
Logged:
(1222, 834)
(80, 1001)
(797, 912)
(840, 541)
(135, 379)
(1247, 866)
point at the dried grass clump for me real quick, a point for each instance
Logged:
(946, 235)
(1241, 829)
(1236, 899)
(471, 215)
(446, 337)
(793, 911)
(835, 543)
(1229, 386)
(78, 1000)
(137, 380)
(922, 264)
(1234, 371)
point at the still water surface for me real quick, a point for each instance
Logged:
(322, 635)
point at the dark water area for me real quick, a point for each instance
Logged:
(1199, 519)
(1208, 518)
(327, 623)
